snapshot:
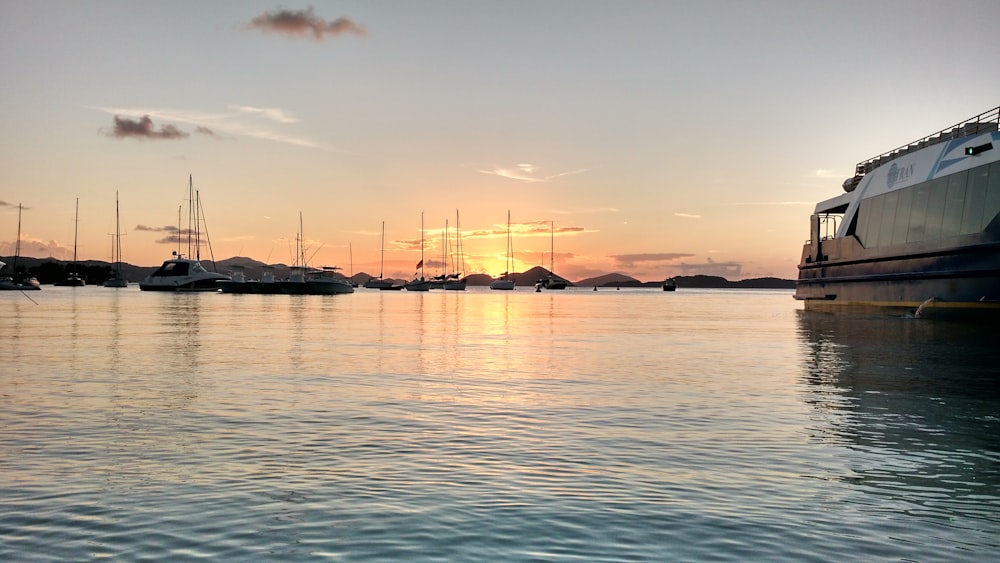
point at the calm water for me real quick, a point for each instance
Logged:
(490, 426)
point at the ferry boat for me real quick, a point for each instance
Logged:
(916, 230)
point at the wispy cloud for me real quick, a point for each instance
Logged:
(303, 23)
(143, 128)
(527, 173)
(240, 120)
(630, 260)
(274, 114)
(823, 173)
(687, 215)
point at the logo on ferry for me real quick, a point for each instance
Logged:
(898, 174)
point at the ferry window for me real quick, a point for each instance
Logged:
(992, 205)
(902, 223)
(936, 197)
(888, 218)
(870, 239)
(975, 196)
(861, 221)
(954, 205)
(918, 213)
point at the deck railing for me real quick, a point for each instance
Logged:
(986, 121)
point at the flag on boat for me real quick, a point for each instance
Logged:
(419, 264)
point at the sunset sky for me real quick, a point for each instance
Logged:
(661, 138)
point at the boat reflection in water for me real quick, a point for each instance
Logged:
(911, 406)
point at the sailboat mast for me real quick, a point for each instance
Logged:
(76, 229)
(17, 245)
(421, 246)
(190, 214)
(381, 265)
(552, 250)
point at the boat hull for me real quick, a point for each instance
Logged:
(957, 281)
(506, 285)
(181, 274)
(418, 285)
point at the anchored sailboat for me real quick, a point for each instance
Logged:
(11, 281)
(74, 279)
(507, 282)
(380, 282)
(552, 281)
(116, 253)
(421, 284)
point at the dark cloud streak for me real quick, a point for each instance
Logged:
(143, 128)
(304, 22)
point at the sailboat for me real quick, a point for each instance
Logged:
(180, 273)
(13, 282)
(552, 281)
(74, 279)
(350, 250)
(507, 282)
(116, 253)
(421, 284)
(453, 280)
(380, 282)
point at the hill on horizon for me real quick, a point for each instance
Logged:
(50, 270)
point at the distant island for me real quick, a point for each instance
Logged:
(95, 272)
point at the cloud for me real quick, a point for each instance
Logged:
(687, 215)
(143, 128)
(525, 173)
(297, 23)
(239, 121)
(274, 114)
(728, 270)
(174, 235)
(630, 260)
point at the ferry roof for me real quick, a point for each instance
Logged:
(837, 204)
(987, 121)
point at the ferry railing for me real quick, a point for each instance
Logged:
(829, 222)
(984, 122)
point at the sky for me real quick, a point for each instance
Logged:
(649, 138)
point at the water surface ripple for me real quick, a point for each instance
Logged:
(628, 425)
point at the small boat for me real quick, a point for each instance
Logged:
(116, 254)
(12, 281)
(552, 281)
(420, 284)
(311, 281)
(669, 284)
(327, 281)
(915, 231)
(380, 282)
(74, 279)
(180, 273)
(507, 282)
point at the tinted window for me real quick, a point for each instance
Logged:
(888, 217)
(992, 205)
(954, 204)
(918, 213)
(937, 195)
(975, 197)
